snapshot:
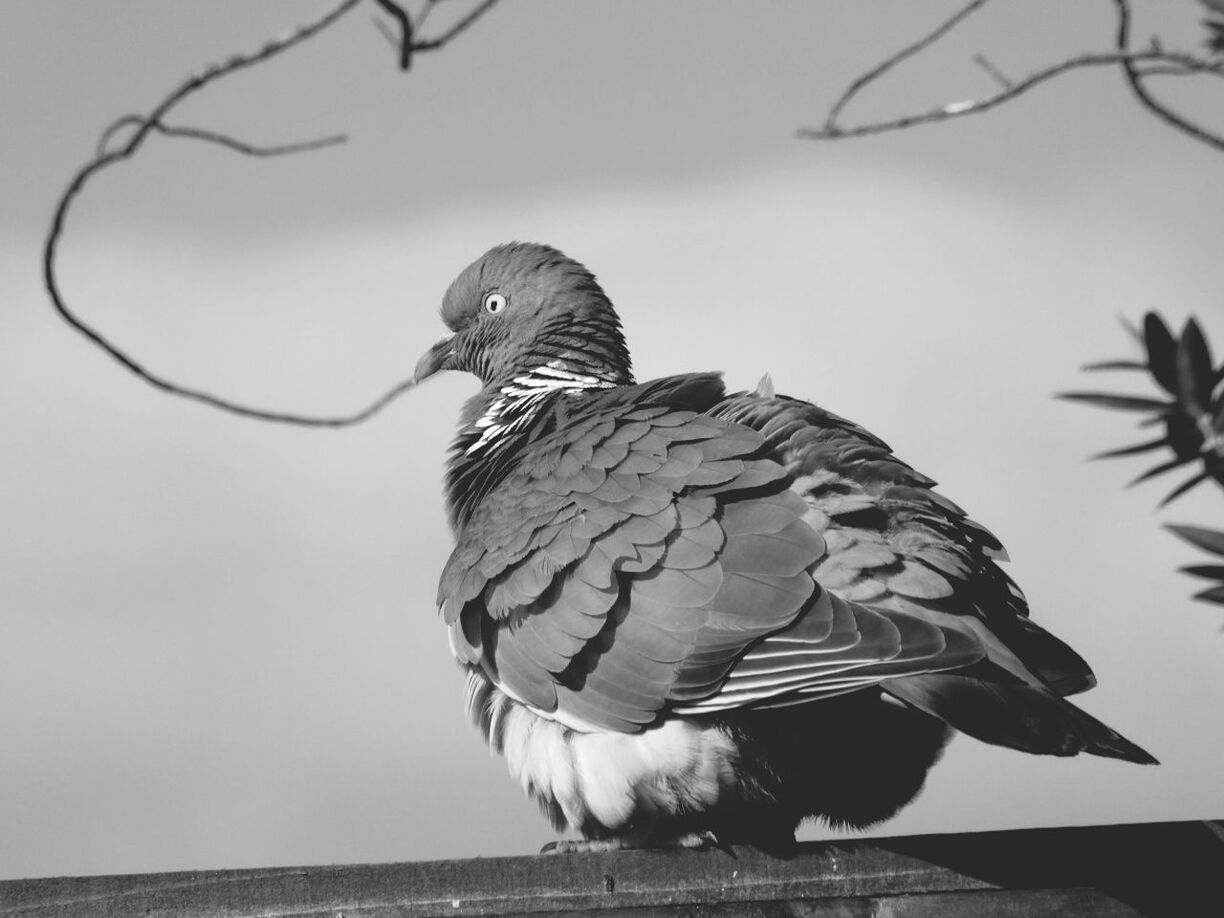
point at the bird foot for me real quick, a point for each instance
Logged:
(583, 846)
(692, 841)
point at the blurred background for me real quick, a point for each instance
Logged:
(218, 640)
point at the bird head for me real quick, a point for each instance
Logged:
(524, 305)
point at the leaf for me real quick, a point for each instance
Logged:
(1209, 540)
(1131, 329)
(1133, 450)
(1215, 37)
(1161, 351)
(1184, 435)
(1114, 365)
(1160, 469)
(1182, 488)
(1211, 594)
(1194, 369)
(1118, 402)
(1206, 571)
(1214, 468)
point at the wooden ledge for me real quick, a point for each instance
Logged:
(1148, 869)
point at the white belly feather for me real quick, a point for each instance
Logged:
(613, 779)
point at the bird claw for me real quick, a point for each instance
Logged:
(696, 841)
(584, 846)
(691, 841)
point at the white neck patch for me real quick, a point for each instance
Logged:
(518, 399)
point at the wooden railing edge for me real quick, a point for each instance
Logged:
(1135, 869)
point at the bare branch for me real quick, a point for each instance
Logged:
(977, 106)
(154, 122)
(995, 73)
(404, 42)
(424, 14)
(1176, 69)
(457, 29)
(143, 127)
(1137, 65)
(232, 143)
(385, 31)
(1135, 80)
(830, 126)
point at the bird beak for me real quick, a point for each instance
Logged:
(439, 357)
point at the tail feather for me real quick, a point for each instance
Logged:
(1055, 663)
(1017, 716)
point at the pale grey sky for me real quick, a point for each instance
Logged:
(219, 641)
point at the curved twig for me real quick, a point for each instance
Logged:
(973, 107)
(1137, 65)
(406, 31)
(994, 72)
(224, 140)
(830, 125)
(457, 29)
(1134, 79)
(406, 42)
(154, 122)
(1200, 68)
(143, 127)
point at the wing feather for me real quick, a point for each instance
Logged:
(642, 557)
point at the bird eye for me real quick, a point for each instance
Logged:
(494, 303)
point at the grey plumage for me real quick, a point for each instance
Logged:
(682, 610)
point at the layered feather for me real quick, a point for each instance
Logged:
(681, 610)
(896, 544)
(663, 550)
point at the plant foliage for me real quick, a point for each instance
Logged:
(1189, 412)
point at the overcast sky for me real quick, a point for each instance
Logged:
(218, 641)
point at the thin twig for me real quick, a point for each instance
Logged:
(392, 39)
(424, 13)
(145, 125)
(457, 29)
(225, 140)
(1204, 68)
(249, 149)
(1135, 80)
(114, 128)
(830, 126)
(154, 122)
(406, 42)
(1136, 65)
(406, 31)
(995, 73)
(973, 107)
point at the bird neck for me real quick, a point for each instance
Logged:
(513, 404)
(502, 418)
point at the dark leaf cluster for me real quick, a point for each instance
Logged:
(1211, 541)
(1189, 412)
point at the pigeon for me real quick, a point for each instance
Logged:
(691, 617)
